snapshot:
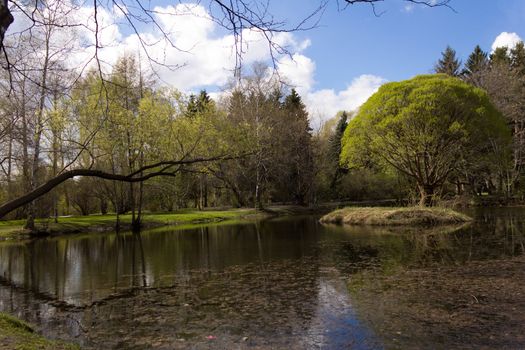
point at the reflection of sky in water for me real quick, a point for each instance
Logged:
(336, 324)
(282, 283)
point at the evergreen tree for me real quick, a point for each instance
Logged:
(204, 102)
(476, 62)
(296, 149)
(335, 149)
(192, 109)
(448, 64)
(199, 104)
(500, 56)
(517, 58)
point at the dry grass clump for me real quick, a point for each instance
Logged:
(383, 216)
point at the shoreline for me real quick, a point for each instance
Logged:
(13, 229)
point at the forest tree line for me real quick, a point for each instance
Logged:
(122, 121)
(502, 75)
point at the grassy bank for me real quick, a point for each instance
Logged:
(75, 224)
(383, 216)
(16, 334)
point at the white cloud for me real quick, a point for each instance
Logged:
(324, 104)
(506, 39)
(207, 59)
(299, 71)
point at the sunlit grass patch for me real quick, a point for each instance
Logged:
(16, 334)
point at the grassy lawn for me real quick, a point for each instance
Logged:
(16, 334)
(12, 228)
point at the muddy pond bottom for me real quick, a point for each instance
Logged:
(283, 283)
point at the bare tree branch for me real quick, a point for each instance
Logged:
(130, 178)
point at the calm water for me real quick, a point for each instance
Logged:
(280, 283)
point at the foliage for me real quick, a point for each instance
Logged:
(476, 62)
(425, 128)
(448, 63)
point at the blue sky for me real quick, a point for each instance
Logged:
(335, 66)
(403, 42)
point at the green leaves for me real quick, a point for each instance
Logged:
(422, 127)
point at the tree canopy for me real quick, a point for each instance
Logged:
(425, 128)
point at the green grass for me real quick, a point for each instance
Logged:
(15, 228)
(386, 216)
(18, 335)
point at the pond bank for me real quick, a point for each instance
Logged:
(16, 334)
(385, 216)
(14, 229)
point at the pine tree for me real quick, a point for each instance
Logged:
(500, 56)
(517, 58)
(296, 148)
(199, 104)
(335, 149)
(476, 62)
(335, 140)
(448, 64)
(294, 104)
(191, 109)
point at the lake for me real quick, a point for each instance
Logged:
(286, 282)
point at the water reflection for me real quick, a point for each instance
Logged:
(277, 283)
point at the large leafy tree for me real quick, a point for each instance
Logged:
(424, 127)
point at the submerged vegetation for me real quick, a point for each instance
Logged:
(381, 216)
(474, 305)
(109, 146)
(16, 334)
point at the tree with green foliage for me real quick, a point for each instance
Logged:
(500, 56)
(335, 149)
(517, 58)
(424, 127)
(199, 104)
(448, 63)
(477, 61)
(504, 80)
(294, 150)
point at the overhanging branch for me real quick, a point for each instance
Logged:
(132, 177)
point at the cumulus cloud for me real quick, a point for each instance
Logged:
(324, 104)
(299, 71)
(190, 39)
(506, 39)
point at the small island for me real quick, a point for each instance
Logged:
(395, 216)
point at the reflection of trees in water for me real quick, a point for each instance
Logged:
(489, 238)
(262, 281)
(250, 280)
(445, 288)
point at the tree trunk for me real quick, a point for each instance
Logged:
(426, 195)
(6, 18)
